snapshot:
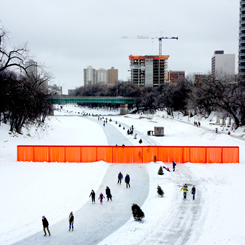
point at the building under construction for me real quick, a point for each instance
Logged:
(149, 70)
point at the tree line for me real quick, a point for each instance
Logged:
(224, 94)
(23, 96)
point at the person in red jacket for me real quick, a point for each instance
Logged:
(45, 226)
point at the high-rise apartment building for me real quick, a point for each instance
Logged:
(149, 70)
(102, 76)
(113, 76)
(241, 57)
(89, 76)
(223, 63)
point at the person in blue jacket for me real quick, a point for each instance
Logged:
(120, 176)
(174, 164)
(127, 181)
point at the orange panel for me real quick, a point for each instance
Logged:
(73, 153)
(175, 154)
(41, 154)
(231, 155)
(186, 154)
(198, 154)
(89, 154)
(163, 154)
(214, 155)
(25, 153)
(149, 152)
(57, 154)
(118, 154)
(137, 154)
(104, 153)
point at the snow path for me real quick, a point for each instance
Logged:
(94, 222)
(113, 135)
(185, 217)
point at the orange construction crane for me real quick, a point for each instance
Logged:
(147, 37)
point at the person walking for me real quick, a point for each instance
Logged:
(127, 181)
(71, 221)
(101, 196)
(120, 177)
(185, 190)
(174, 164)
(108, 193)
(193, 192)
(92, 195)
(45, 226)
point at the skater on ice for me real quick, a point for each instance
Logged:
(120, 177)
(174, 164)
(127, 181)
(45, 226)
(101, 197)
(108, 193)
(71, 221)
(193, 192)
(185, 190)
(92, 195)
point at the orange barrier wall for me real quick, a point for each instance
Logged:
(128, 154)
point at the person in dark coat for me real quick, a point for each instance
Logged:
(127, 181)
(92, 195)
(174, 164)
(45, 226)
(108, 193)
(120, 177)
(71, 221)
(193, 192)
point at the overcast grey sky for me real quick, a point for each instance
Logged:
(68, 36)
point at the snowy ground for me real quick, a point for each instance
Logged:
(30, 190)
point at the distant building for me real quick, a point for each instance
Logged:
(223, 63)
(101, 76)
(149, 70)
(175, 76)
(89, 75)
(241, 57)
(71, 92)
(31, 68)
(55, 90)
(113, 76)
(200, 78)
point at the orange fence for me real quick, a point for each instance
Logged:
(128, 154)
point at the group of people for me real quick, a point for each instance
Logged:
(185, 191)
(101, 196)
(198, 124)
(46, 224)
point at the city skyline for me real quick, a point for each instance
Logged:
(67, 37)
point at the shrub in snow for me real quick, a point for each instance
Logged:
(138, 214)
(140, 141)
(160, 171)
(160, 192)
